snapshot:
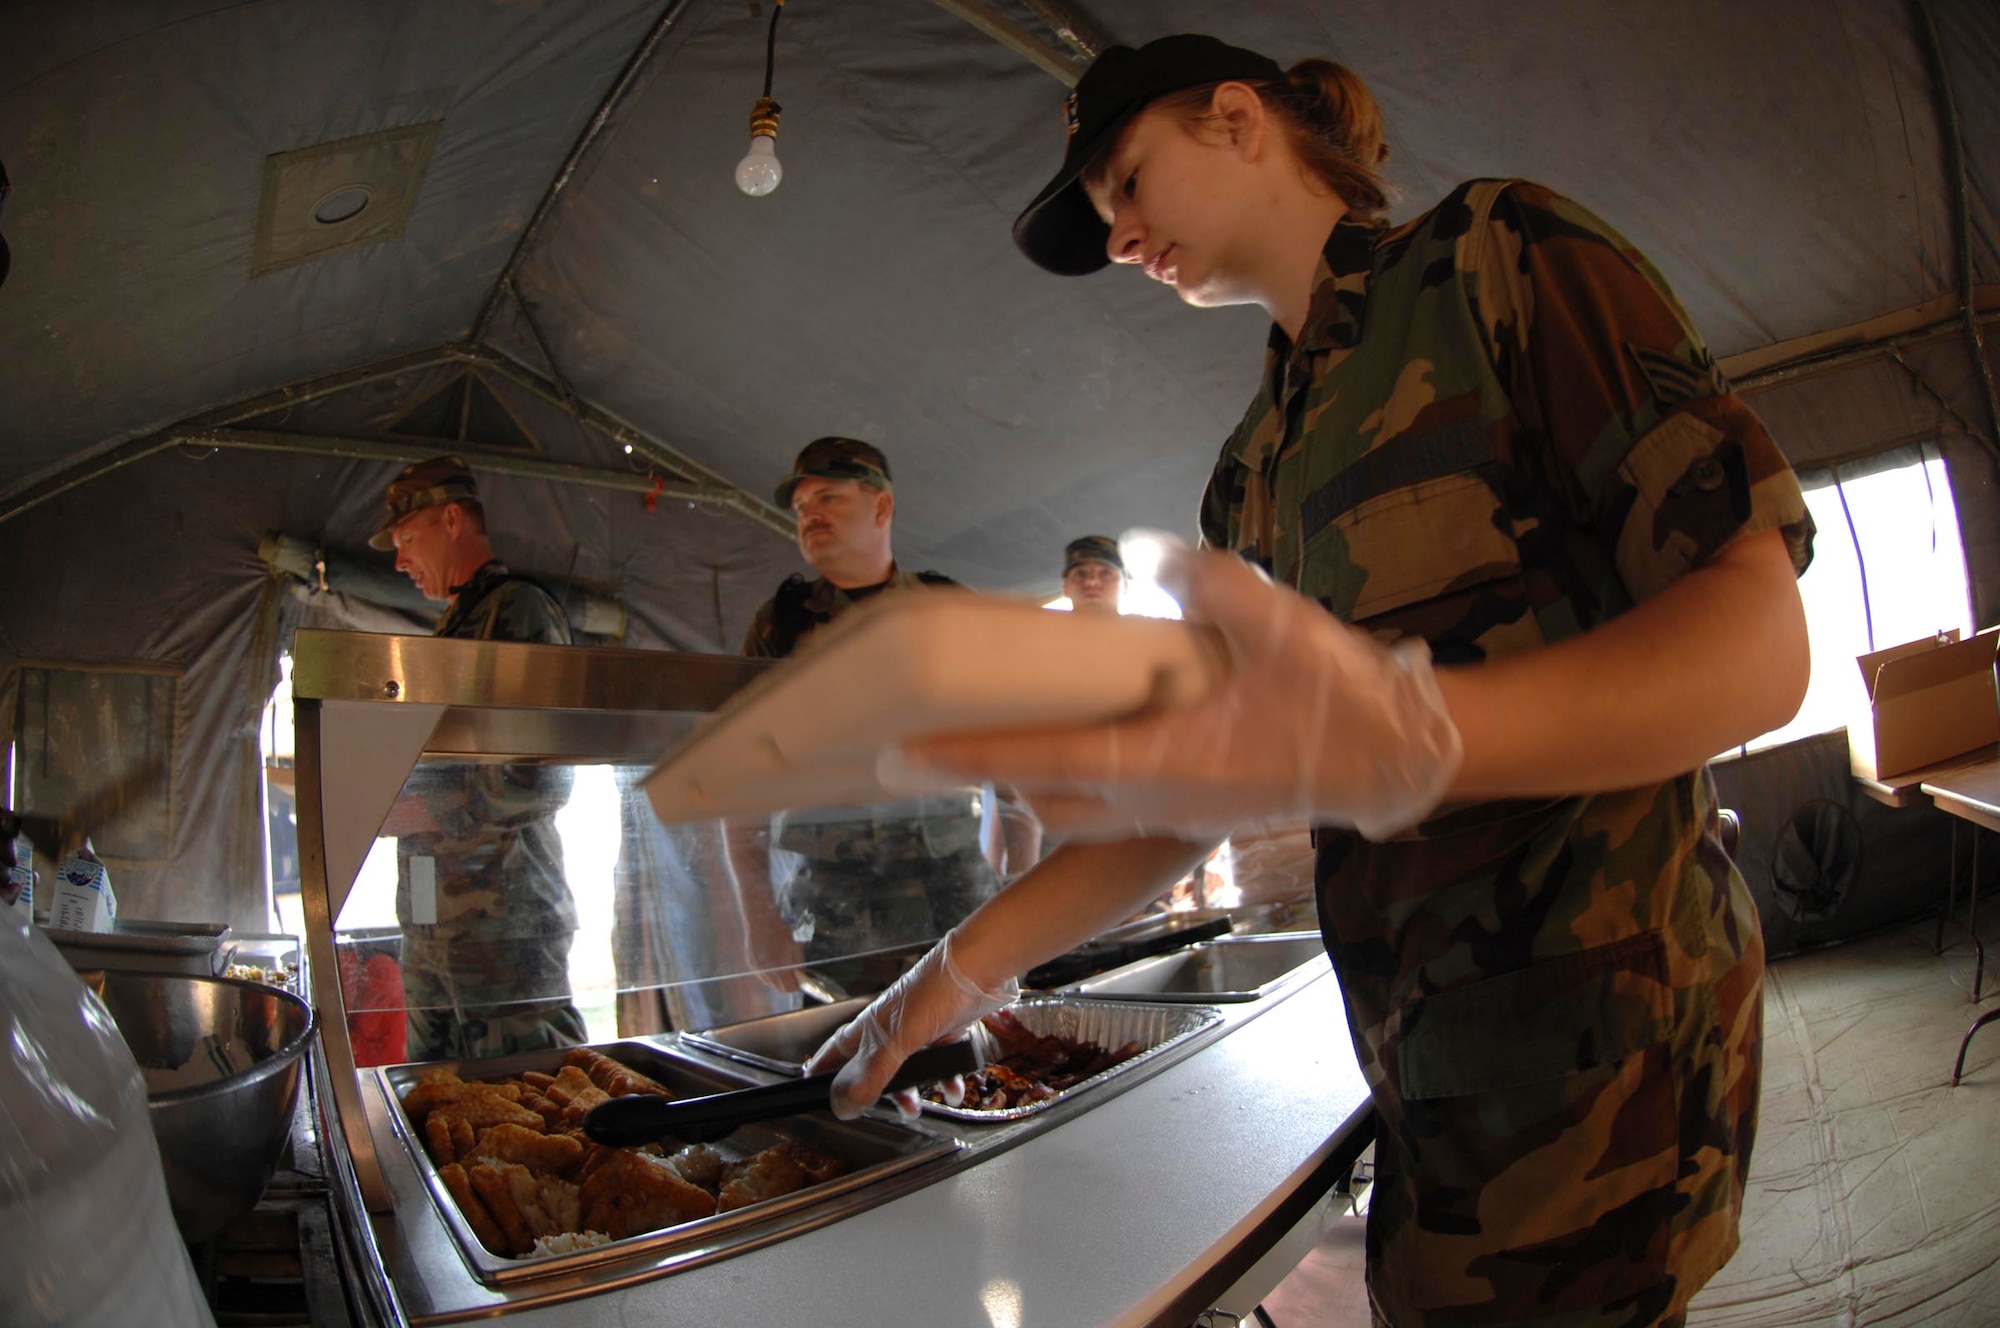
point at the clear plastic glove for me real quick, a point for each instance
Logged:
(932, 1002)
(1317, 724)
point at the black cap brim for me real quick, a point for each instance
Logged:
(1060, 231)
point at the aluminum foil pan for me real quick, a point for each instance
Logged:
(1110, 1024)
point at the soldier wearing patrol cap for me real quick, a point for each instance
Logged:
(1093, 572)
(880, 878)
(1500, 561)
(485, 909)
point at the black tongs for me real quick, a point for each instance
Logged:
(641, 1118)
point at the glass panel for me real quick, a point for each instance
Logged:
(513, 905)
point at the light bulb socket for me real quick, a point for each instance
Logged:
(764, 118)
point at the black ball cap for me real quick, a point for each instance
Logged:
(1060, 230)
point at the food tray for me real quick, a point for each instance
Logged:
(873, 1148)
(781, 1043)
(1110, 1024)
(1234, 968)
(192, 948)
(810, 732)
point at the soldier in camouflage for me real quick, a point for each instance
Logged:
(880, 878)
(485, 908)
(1093, 572)
(1487, 437)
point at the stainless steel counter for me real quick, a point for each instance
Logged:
(1138, 1209)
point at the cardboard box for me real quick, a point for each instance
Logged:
(82, 899)
(1928, 701)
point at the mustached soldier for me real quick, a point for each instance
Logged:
(485, 909)
(877, 878)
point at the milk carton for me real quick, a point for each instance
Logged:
(82, 899)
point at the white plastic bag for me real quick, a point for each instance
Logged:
(88, 1235)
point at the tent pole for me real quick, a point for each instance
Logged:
(627, 435)
(1954, 166)
(589, 136)
(488, 462)
(1076, 30)
(1016, 38)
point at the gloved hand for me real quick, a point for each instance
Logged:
(1317, 724)
(931, 1002)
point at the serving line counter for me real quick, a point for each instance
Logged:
(1137, 1208)
(1137, 1198)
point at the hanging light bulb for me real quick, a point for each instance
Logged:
(760, 170)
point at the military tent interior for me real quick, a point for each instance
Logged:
(204, 387)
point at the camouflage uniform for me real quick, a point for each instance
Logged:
(896, 874)
(1497, 430)
(491, 976)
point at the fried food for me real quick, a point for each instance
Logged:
(633, 1193)
(580, 1106)
(489, 1182)
(434, 1090)
(820, 1166)
(767, 1175)
(615, 1079)
(526, 1206)
(699, 1164)
(450, 1129)
(550, 1110)
(476, 1216)
(568, 1084)
(559, 1154)
(512, 1156)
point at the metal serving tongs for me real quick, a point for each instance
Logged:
(641, 1118)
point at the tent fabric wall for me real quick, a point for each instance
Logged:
(136, 138)
(157, 563)
(1782, 163)
(1904, 855)
(878, 294)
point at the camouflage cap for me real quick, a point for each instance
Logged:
(1092, 549)
(836, 459)
(444, 479)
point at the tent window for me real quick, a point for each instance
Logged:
(1887, 568)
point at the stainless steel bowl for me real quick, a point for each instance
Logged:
(222, 1060)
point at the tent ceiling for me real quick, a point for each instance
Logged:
(1779, 162)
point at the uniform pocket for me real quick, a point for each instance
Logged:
(1409, 545)
(1562, 1016)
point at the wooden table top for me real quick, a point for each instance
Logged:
(1971, 791)
(1909, 788)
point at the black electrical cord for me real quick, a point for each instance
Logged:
(771, 45)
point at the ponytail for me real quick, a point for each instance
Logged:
(1336, 128)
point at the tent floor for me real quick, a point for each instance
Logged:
(1875, 1187)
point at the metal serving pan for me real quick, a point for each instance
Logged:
(1234, 968)
(781, 1043)
(1110, 1024)
(1147, 936)
(873, 1148)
